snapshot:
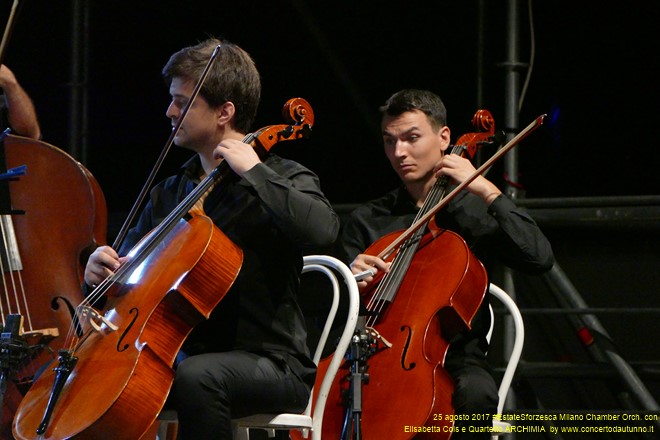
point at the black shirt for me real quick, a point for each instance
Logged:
(501, 231)
(274, 213)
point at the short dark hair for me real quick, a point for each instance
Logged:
(233, 77)
(413, 99)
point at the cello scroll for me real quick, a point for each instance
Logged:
(484, 123)
(300, 116)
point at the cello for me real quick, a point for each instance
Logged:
(408, 393)
(414, 309)
(172, 280)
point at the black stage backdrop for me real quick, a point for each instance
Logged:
(594, 75)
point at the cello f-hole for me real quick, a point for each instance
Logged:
(134, 311)
(412, 365)
(55, 306)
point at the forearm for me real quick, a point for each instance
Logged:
(484, 189)
(21, 113)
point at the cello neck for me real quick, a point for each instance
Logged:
(389, 285)
(439, 188)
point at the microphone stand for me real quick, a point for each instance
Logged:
(362, 347)
(13, 349)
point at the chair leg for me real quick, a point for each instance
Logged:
(152, 432)
(168, 425)
(240, 432)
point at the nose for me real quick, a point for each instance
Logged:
(172, 111)
(399, 149)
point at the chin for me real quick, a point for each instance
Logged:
(408, 177)
(181, 142)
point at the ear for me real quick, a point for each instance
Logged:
(444, 136)
(225, 113)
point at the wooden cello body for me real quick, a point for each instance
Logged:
(433, 290)
(62, 218)
(408, 393)
(125, 374)
(114, 379)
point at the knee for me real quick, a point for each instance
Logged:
(475, 394)
(193, 376)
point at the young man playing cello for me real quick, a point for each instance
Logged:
(416, 137)
(251, 355)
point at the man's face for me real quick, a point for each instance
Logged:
(200, 124)
(411, 145)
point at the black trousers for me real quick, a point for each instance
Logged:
(475, 391)
(211, 389)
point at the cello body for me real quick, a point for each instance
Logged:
(125, 374)
(64, 219)
(114, 376)
(408, 394)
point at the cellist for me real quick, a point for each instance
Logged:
(251, 355)
(16, 106)
(416, 137)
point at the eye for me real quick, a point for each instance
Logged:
(179, 101)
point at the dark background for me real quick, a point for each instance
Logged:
(594, 74)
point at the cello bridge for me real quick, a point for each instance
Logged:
(375, 335)
(96, 320)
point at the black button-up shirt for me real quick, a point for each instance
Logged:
(501, 232)
(274, 214)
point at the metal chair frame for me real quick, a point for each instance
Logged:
(308, 422)
(514, 357)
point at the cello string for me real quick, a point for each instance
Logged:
(24, 297)
(138, 253)
(15, 263)
(10, 269)
(392, 280)
(407, 250)
(4, 283)
(396, 261)
(3, 47)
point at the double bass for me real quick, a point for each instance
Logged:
(52, 215)
(59, 216)
(112, 381)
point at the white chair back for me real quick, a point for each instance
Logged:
(270, 422)
(516, 350)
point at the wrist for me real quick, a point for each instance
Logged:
(490, 197)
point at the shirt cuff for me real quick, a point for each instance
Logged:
(501, 206)
(257, 175)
